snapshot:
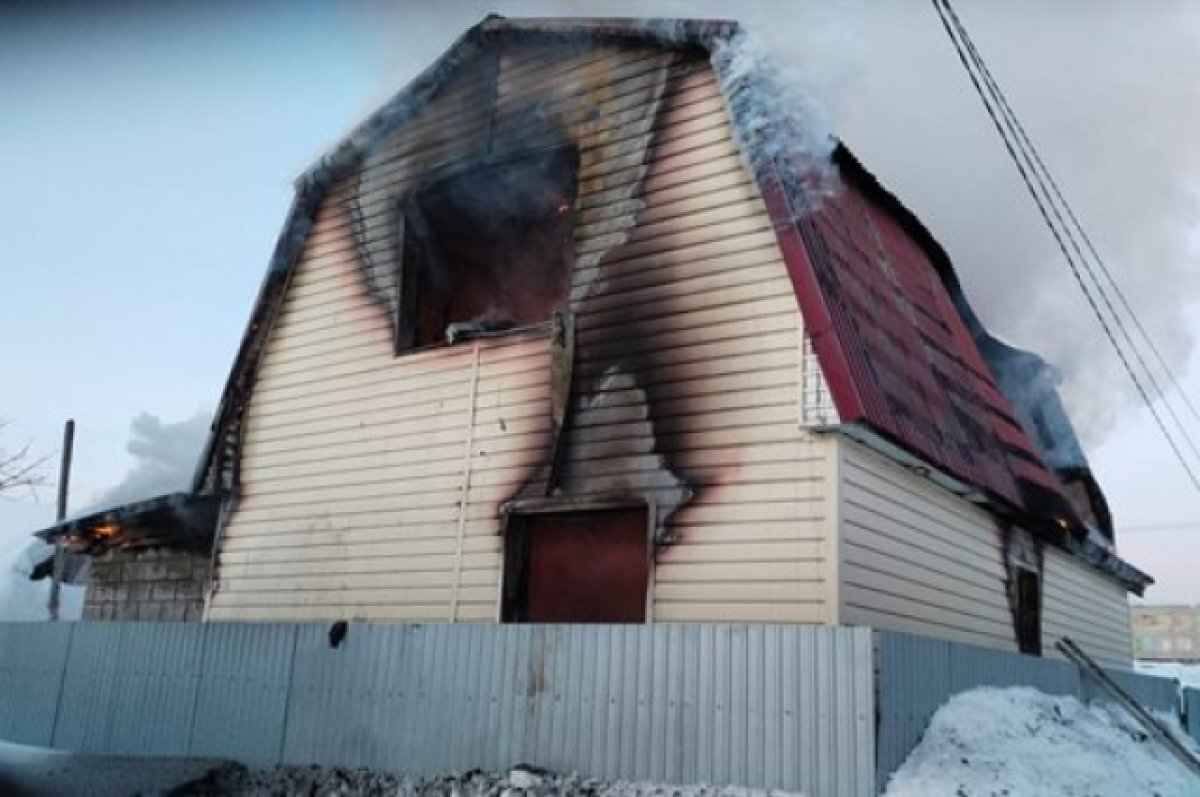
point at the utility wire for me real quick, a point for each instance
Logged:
(1032, 151)
(1025, 167)
(1176, 526)
(1048, 184)
(1016, 132)
(1100, 262)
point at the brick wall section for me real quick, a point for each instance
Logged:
(147, 584)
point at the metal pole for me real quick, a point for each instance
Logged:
(1147, 720)
(64, 482)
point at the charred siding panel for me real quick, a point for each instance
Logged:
(354, 459)
(689, 350)
(1087, 606)
(916, 558)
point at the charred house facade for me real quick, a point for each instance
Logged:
(578, 329)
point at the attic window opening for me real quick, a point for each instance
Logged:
(487, 248)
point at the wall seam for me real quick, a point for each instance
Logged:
(833, 528)
(456, 587)
(62, 683)
(287, 703)
(203, 655)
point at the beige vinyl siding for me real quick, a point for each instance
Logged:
(356, 461)
(917, 558)
(700, 289)
(1086, 605)
(355, 465)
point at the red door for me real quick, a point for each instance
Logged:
(585, 567)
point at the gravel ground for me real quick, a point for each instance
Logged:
(334, 782)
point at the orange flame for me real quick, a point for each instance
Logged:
(105, 530)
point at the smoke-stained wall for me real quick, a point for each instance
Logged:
(373, 484)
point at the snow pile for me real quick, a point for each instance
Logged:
(37, 772)
(520, 782)
(1019, 742)
(1186, 674)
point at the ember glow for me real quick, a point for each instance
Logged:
(106, 530)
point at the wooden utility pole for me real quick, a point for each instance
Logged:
(64, 483)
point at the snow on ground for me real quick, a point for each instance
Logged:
(328, 781)
(35, 772)
(1020, 742)
(1186, 674)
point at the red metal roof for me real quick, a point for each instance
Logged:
(875, 291)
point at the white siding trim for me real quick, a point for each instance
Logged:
(468, 456)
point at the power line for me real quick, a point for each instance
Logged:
(1176, 526)
(1042, 176)
(997, 107)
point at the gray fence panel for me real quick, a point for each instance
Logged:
(1156, 694)
(679, 703)
(32, 659)
(1191, 712)
(913, 673)
(157, 675)
(972, 667)
(357, 703)
(774, 706)
(241, 700)
(86, 708)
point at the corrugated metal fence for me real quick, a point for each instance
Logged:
(1191, 713)
(917, 675)
(827, 711)
(774, 706)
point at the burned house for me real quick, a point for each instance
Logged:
(584, 326)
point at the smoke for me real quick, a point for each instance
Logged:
(1110, 98)
(165, 454)
(23, 599)
(779, 115)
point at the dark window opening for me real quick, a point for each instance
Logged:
(1029, 612)
(577, 567)
(487, 248)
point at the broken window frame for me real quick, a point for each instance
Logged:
(418, 247)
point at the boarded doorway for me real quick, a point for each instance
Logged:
(577, 567)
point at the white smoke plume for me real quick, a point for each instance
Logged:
(1109, 95)
(165, 455)
(779, 116)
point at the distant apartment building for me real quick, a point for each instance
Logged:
(1166, 633)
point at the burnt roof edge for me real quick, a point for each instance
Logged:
(184, 505)
(1102, 559)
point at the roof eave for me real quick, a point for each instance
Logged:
(189, 515)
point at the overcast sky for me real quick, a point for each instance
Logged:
(148, 151)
